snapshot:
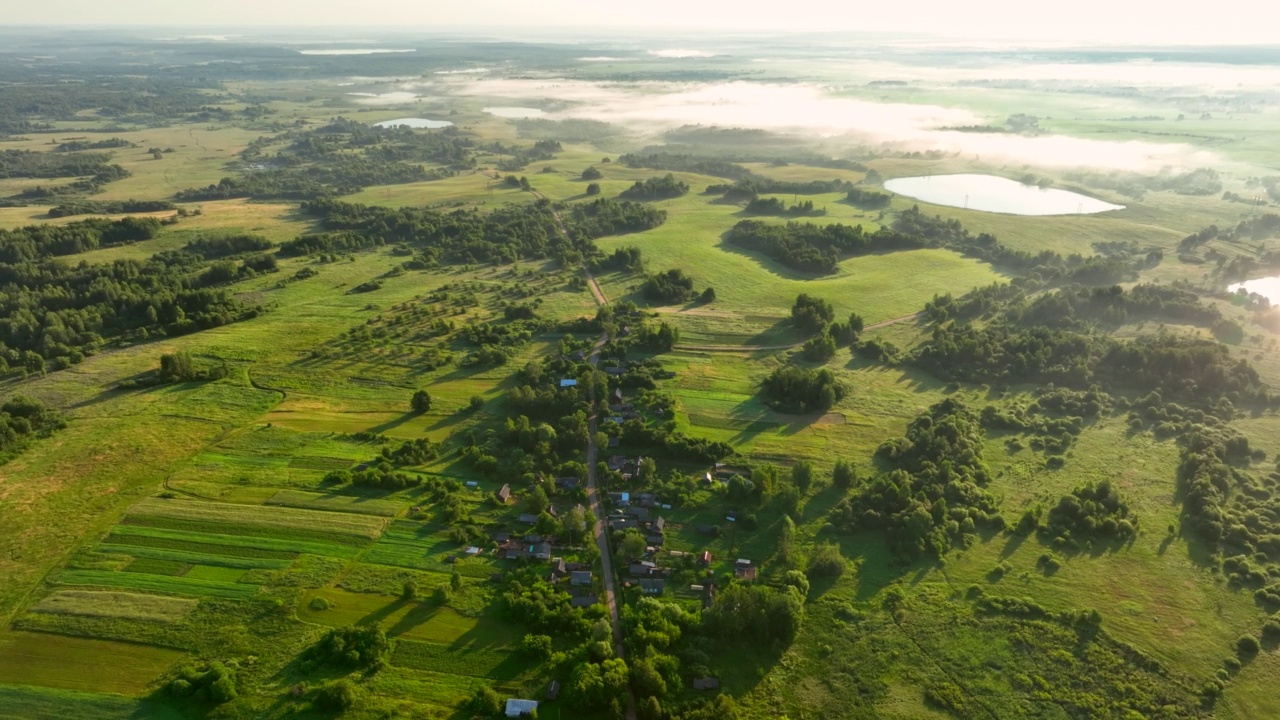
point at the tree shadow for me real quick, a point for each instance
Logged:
(392, 424)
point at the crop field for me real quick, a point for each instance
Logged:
(26, 702)
(426, 546)
(74, 663)
(336, 503)
(346, 528)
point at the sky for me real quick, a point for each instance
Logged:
(1081, 21)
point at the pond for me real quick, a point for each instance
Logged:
(990, 193)
(511, 111)
(1267, 287)
(414, 123)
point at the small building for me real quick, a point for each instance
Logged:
(583, 601)
(581, 577)
(614, 442)
(616, 396)
(615, 371)
(567, 484)
(745, 572)
(622, 523)
(660, 524)
(568, 383)
(501, 536)
(504, 493)
(706, 683)
(553, 690)
(527, 519)
(706, 557)
(616, 462)
(640, 569)
(652, 586)
(639, 513)
(655, 539)
(540, 551)
(522, 708)
(709, 530)
(472, 484)
(558, 567)
(471, 551)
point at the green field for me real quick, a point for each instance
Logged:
(72, 663)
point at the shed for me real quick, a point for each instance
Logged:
(472, 484)
(706, 683)
(553, 690)
(568, 382)
(522, 708)
(528, 519)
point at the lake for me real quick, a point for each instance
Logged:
(414, 123)
(511, 111)
(1267, 287)
(996, 194)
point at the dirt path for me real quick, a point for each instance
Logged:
(755, 348)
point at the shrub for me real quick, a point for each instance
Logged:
(339, 695)
(1247, 646)
(318, 603)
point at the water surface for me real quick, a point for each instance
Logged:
(996, 194)
(1267, 287)
(352, 51)
(414, 123)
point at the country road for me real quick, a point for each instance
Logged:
(594, 498)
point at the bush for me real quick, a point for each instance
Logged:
(318, 603)
(339, 695)
(1247, 646)
(844, 474)
(421, 402)
(826, 561)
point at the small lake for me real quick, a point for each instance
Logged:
(414, 123)
(1267, 287)
(996, 194)
(511, 111)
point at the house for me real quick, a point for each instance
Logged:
(504, 493)
(655, 540)
(706, 683)
(615, 397)
(553, 512)
(615, 371)
(646, 499)
(616, 462)
(523, 708)
(567, 484)
(583, 601)
(540, 551)
(660, 525)
(614, 442)
(622, 523)
(578, 355)
(553, 690)
(580, 577)
(744, 570)
(501, 536)
(558, 568)
(640, 569)
(639, 513)
(568, 383)
(651, 586)
(527, 519)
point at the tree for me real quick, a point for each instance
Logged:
(593, 189)
(409, 591)
(176, 366)
(632, 546)
(802, 475)
(421, 402)
(455, 581)
(843, 475)
(592, 173)
(485, 702)
(573, 523)
(708, 295)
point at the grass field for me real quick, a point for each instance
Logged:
(24, 702)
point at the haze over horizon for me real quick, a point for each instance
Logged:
(1085, 21)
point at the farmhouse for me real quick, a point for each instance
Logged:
(521, 708)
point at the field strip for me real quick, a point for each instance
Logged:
(124, 605)
(265, 517)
